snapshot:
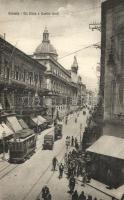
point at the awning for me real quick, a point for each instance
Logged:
(36, 121)
(1, 132)
(41, 119)
(23, 124)
(109, 146)
(13, 122)
(6, 129)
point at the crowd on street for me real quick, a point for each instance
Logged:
(75, 165)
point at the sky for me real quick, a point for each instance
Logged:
(68, 24)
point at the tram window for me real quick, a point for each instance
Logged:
(22, 146)
(16, 146)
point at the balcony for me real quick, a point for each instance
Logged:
(21, 84)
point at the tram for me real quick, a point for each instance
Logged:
(49, 139)
(22, 146)
(58, 130)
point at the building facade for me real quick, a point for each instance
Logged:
(107, 152)
(113, 67)
(22, 82)
(61, 83)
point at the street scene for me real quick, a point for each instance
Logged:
(62, 100)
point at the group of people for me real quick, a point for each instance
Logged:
(55, 163)
(71, 142)
(73, 164)
(81, 196)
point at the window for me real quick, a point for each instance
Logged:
(16, 75)
(36, 79)
(122, 56)
(8, 73)
(121, 94)
(24, 75)
(30, 80)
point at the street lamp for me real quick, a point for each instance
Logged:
(4, 135)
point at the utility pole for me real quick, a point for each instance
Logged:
(95, 26)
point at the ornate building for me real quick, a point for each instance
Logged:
(22, 82)
(61, 83)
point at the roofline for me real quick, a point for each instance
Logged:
(57, 63)
(21, 52)
(111, 3)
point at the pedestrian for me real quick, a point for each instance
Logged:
(61, 169)
(54, 163)
(66, 120)
(89, 197)
(66, 159)
(84, 177)
(69, 140)
(75, 141)
(72, 141)
(71, 184)
(75, 195)
(49, 197)
(82, 196)
(45, 192)
(76, 146)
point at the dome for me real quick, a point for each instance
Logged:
(46, 47)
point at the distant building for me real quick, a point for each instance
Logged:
(91, 99)
(81, 92)
(61, 83)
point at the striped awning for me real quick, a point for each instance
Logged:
(7, 131)
(14, 124)
(36, 121)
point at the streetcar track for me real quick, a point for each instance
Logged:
(1, 177)
(9, 165)
(1, 170)
(43, 173)
(40, 177)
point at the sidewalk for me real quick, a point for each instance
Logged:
(59, 189)
(116, 193)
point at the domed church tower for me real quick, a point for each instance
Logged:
(46, 48)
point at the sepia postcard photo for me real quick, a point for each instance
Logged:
(62, 100)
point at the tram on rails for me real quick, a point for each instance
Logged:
(49, 139)
(22, 147)
(58, 130)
